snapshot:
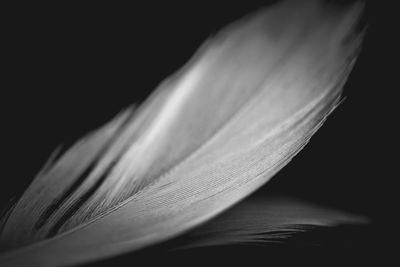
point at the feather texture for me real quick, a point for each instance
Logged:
(262, 220)
(246, 103)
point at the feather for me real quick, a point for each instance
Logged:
(265, 219)
(221, 127)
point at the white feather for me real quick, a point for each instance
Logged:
(247, 102)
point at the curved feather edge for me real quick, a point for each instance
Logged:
(247, 143)
(263, 220)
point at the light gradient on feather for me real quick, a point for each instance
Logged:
(247, 102)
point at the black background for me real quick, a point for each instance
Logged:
(70, 68)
